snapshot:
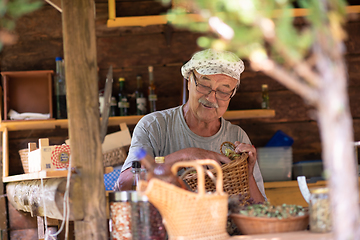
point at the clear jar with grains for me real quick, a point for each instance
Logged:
(120, 215)
(320, 211)
(146, 220)
(133, 217)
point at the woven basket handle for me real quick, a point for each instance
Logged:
(198, 165)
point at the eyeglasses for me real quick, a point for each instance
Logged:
(218, 94)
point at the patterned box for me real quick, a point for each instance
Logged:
(48, 157)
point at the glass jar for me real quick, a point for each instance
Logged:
(320, 211)
(120, 215)
(146, 220)
(133, 217)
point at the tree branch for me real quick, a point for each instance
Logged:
(303, 69)
(291, 81)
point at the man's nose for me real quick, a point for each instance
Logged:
(211, 97)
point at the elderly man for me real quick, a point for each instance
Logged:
(196, 129)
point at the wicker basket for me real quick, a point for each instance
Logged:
(115, 157)
(189, 215)
(235, 177)
(24, 159)
(259, 225)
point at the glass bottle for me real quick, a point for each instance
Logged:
(113, 107)
(184, 92)
(152, 90)
(265, 97)
(136, 170)
(140, 97)
(123, 103)
(59, 98)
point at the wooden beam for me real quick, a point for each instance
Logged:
(3, 208)
(55, 3)
(78, 20)
(46, 198)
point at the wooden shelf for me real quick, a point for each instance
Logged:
(36, 175)
(44, 175)
(6, 126)
(143, 21)
(17, 125)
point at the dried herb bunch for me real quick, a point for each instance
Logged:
(230, 151)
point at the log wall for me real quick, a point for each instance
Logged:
(130, 50)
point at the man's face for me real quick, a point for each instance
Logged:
(206, 104)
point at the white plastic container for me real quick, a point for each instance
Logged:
(275, 163)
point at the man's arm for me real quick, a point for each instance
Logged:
(253, 187)
(124, 182)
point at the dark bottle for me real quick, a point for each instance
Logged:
(160, 171)
(184, 92)
(140, 97)
(136, 170)
(59, 98)
(152, 90)
(113, 107)
(123, 103)
(265, 97)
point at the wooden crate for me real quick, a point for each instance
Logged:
(28, 91)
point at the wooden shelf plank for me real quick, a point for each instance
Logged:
(147, 20)
(244, 114)
(36, 175)
(163, 19)
(44, 174)
(129, 120)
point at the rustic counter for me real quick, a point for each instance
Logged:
(288, 192)
(301, 235)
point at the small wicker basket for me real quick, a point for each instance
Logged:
(24, 159)
(260, 225)
(115, 156)
(235, 177)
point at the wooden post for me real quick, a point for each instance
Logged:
(78, 22)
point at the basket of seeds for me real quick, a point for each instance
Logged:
(266, 218)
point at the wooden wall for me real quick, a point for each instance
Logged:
(130, 50)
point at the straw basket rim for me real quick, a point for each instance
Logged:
(268, 219)
(260, 225)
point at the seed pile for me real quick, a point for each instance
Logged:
(270, 211)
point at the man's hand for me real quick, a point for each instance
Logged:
(251, 150)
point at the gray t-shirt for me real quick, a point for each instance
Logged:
(164, 132)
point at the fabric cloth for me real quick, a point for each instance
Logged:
(164, 132)
(210, 62)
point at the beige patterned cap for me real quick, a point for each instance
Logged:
(210, 62)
